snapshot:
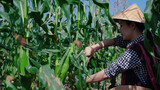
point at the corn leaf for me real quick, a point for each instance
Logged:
(5, 16)
(66, 64)
(47, 78)
(50, 50)
(59, 67)
(147, 12)
(10, 86)
(37, 16)
(23, 60)
(35, 63)
(101, 4)
(31, 69)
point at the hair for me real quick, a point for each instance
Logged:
(140, 26)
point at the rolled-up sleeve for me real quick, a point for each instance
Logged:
(118, 41)
(128, 60)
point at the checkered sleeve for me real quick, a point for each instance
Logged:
(120, 42)
(128, 60)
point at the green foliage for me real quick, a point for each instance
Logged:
(46, 76)
(10, 86)
(37, 41)
(152, 24)
(65, 66)
(152, 16)
(22, 61)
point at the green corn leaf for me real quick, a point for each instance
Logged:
(93, 13)
(68, 26)
(65, 66)
(154, 21)
(84, 58)
(70, 1)
(147, 12)
(10, 86)
(31, 69)
(101, 4)
(5, 16)
(80, 7)
(16, 3)
(35, 63)
(5, 29)
(107, 12)
(5, 47)
(110, 18)
(59, 67)
(65, 7)
(44, 8)
(47, 78)
(21, 10)
(23, 60)
(47, 6)
(85, 63)
(7, 4)
(90, 19)
(76, 62)
(37, 16)
(36, 4)
(81, 53)
(147, 45)
(156, 40)
(49, 51)
(106, 20)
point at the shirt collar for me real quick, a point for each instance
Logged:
(140, 38)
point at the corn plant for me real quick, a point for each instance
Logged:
(42, 43)
(152, 24)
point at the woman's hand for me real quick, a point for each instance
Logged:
(89, 51)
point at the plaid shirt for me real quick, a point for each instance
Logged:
(128, 60)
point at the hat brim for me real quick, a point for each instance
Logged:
(117, 19)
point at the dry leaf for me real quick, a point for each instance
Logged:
(47, 82)
(9, 78)
(78, 43)
(58, 81)
(20, 39)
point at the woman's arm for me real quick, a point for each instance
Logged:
(90, 50)
(104, 43)
(97, 77)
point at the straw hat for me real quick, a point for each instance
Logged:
(132, 13)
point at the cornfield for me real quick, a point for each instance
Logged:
(42, 42)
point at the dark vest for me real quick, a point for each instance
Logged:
(129, 77)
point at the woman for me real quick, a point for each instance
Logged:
(130, 63)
